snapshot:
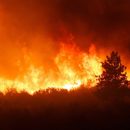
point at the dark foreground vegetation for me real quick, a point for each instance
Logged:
(106, 106)
(82, 109)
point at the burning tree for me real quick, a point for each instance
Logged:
(113, 75)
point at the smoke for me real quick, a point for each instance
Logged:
(36, 26)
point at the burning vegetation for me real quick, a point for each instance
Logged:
(105, 106)
(58, 69)
(61, 44)
(72, 68)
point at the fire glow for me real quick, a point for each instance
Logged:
(73, 69)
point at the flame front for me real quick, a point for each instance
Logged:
(73, 69)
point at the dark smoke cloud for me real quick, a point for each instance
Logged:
(36, 24)
(106, 21)
(102, 19)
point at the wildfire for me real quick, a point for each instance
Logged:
(73, 69)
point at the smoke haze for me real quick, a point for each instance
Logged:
(36, 26)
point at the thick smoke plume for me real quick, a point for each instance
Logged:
(37, 26)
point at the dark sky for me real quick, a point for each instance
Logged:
(99, 19)
(38, 24)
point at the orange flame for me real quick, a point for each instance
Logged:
(73, 69)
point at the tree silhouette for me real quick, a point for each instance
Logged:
(114, 75)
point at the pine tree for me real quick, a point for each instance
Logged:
(114, 74)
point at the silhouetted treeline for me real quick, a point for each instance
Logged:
(114, 73)
(63, 110)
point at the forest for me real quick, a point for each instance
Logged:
(105, 106)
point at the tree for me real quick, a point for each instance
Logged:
(114, 75)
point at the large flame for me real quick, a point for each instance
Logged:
(73, 69)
